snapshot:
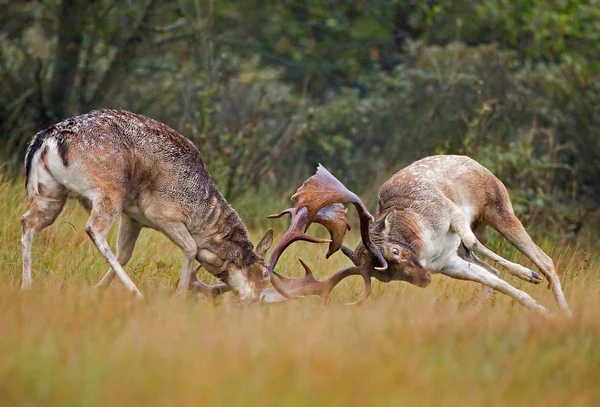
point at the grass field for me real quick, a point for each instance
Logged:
(62, 345)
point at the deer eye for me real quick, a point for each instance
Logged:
(265, 273)
(395, 252)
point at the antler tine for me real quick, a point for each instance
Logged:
(323, 189)
(328, 285)
(309, 285)
(294, 233)
(211, 291)
(333, 217)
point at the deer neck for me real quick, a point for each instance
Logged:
(403, 228)
(220, 230)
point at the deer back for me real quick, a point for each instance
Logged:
(150, 166)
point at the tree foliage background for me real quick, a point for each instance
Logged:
(267, 89)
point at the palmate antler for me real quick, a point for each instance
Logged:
(309, 285)
(319, 200)
(333, 217)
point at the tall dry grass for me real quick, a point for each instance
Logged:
(62, 345)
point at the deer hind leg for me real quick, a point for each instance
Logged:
(485, 294)
(511, 228)
(463, 270)
(42, 213)
(129, 231)
(461, 227)
(105, 211)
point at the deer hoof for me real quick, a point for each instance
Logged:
(535, 277)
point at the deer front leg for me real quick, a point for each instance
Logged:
(486, 292)
(461, 226)
(464, 270)
(178, 234)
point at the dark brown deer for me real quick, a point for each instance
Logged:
(431, 218)
(120, 163)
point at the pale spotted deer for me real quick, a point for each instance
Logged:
(119, 163)
(431, 218)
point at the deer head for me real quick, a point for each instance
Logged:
(389, 232)
(246, 279)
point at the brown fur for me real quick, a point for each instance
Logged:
(120, 162)
(430, 209)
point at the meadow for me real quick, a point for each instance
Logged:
(63, 345)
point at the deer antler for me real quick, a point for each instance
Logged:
(323, 189)
(319, 200)
(309, 285)
(211, 291)
(333, 217)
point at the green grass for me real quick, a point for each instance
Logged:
(63, 345)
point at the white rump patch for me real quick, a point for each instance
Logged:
(73, 177)
(54, 173)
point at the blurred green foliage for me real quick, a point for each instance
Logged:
(269, 89)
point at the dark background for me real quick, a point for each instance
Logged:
(267, 90)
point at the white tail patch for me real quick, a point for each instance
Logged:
(39, 174)
(32, 181)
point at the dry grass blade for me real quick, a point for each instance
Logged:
(60, 344)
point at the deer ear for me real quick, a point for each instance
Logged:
(387, 224)
(264, 244)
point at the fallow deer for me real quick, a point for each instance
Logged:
(119, 163)
(431, 218)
